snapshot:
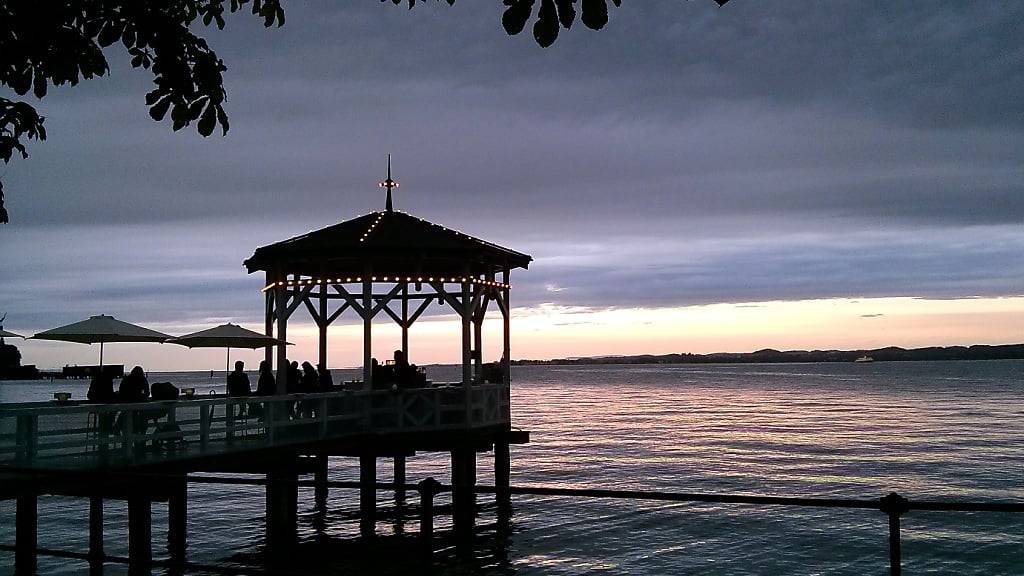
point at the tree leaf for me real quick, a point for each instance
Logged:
(208, 121)
(595, 14)
(515, 16)
(566, 12)
(545, 29)
(159, 110)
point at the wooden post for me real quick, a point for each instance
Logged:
(502, 470)
(478, 347)
(507, 330)
(177, 518)
(140, 534)
(367, 495)
(367, 329)
(96, 529)
(463, 497)
(268, 320)
(320, 491)
(399, 479)
(405, 321)
(467, 357)
(322, 324)
(428, 489)
(281, 297)
(26, 533)
(282, 508)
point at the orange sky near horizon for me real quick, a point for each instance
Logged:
(550, 331)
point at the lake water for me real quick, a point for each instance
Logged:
(928, 430)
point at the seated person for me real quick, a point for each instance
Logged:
(238, 381)
(134, 387)
(101, 389)
(326, 381)
(407, 375)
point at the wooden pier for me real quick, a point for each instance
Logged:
(363, 266)
(63, 450)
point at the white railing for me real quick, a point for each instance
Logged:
(83, 435)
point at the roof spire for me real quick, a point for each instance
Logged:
(389, 184)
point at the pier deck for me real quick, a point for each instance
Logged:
(188, 433)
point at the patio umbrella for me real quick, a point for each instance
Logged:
(227, 336)
(102, 329)
(6, 334)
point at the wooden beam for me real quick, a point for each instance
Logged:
(420, 309)
(395, 317)
(383, 300)
(451, 300)
(350, 299)
(299, 298)
(336, 313)
(312, 311)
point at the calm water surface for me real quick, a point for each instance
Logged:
(929, 430)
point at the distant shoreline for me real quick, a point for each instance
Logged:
(770, 356)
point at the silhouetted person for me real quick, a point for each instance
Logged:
(267, 384)
(293, 376)
(238, 384)
(101, 389)
(403, 371)
(326, 381)
(134, 387)
(238, 381)
(308, 383)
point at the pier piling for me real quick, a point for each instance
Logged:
(320, 490)
(367, 495)
(399, 479)
(177, 518)
(140, 534)
(502, 472)
(26, 533)
(96, 529)
(463, 496)
(282, 509)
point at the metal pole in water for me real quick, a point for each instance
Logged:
(894, 506)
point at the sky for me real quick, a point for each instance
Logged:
(776, 174)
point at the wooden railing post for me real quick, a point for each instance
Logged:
(894, 506)
(27, 437)
(204, 425)
(270, 416)
(322, 414)
(229, 420)
(128, 434)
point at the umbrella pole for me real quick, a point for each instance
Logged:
(101, 357)
(227, 364)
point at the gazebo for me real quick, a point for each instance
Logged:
(379, 260)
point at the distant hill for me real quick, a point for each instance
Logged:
(890, 354)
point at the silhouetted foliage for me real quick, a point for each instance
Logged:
(58, 43)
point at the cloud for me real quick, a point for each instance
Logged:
(683, 155)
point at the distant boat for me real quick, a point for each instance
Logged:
(865, 359)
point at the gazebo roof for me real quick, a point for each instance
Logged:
(389, 243)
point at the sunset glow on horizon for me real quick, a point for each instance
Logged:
(550, 331)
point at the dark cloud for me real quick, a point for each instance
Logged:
(767, 150)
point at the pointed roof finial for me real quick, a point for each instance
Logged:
(389, 184)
